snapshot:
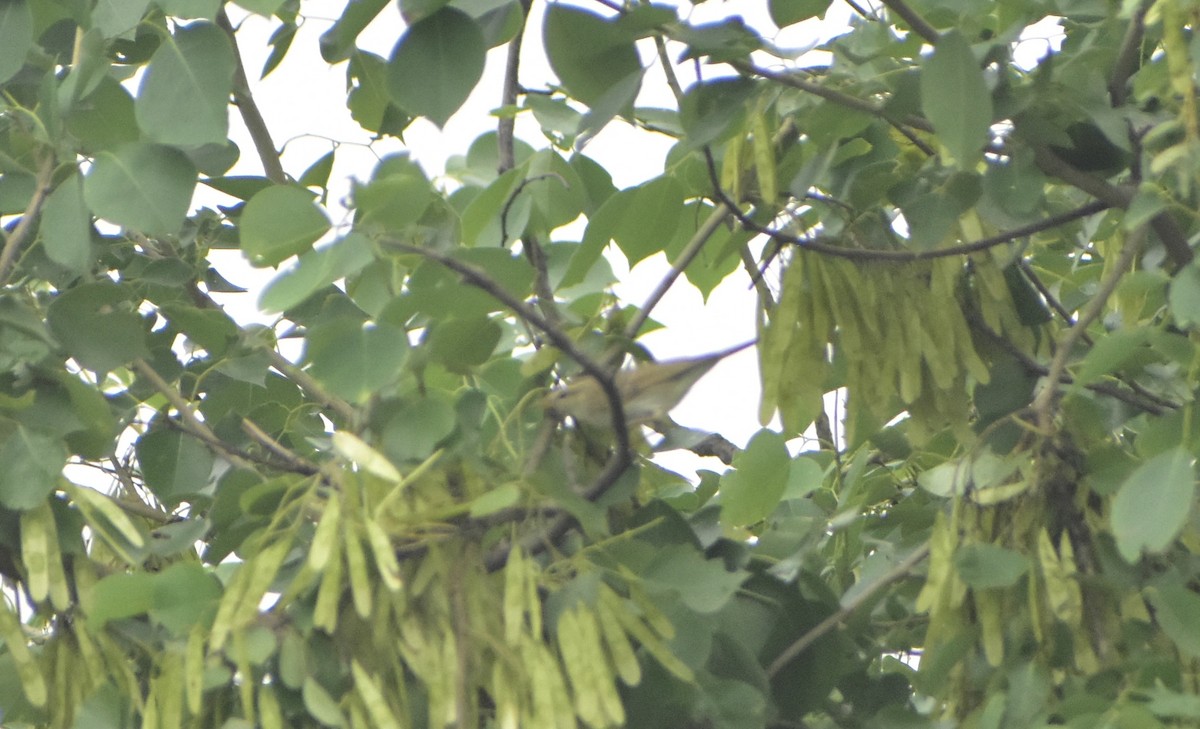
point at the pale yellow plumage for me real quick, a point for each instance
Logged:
(648, 391)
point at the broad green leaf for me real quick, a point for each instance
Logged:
(184, 95)
(118, 596)
(209, 328)
(317, 174)
(416, 428)
(337, 43)
(460, 344)
(315, 270)
(105, 119)
(369, 101)
(1153, 503)
(66, 227)
(787, 12)
(587, 52)
(33, 464)
(985, 565)
(202, 9)
(751, 491)
(265, 8)
(498, 215)
(174, 465)
(182, 594)
(436, 64)
(395, 197)
(704, 585)
(118, 17)
(16, 36)
(354, 361)
(280, 222)
(1184, 295)
(144, 187)
(1177, 610)
(97, 326)
(955, 98)
(1110, 353)
(243, 187)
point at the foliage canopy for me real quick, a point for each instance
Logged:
(989, 253)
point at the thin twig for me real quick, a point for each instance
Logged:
(297, 463)
(686, 256)
(899, 572)
(919, 25)
(508, 96)
(1117, 196)
(25, 226)
(311, 387)
(1058, 365)
(251, 115)
(189, 421)
(871, 254)
(1128, 55)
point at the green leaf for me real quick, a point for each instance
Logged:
(1110, 353)
(750, 492)
(436, 64)
(66, 227)
(354, 361)
(265, 8)
(280, 222)
(396, 197)
(211, 329)
(33, 464)
(97, 326)
(985, 565)
(416, 428)
(184, 95)
(144, 187)
(118, 596)
(174, 465)
(183, 594)
(1184, 295)
(1153, 503)
(955, 98)
(203, 9)
(118, 17)
(460, 344)
(337, 43)
(587, 52)
(704, 585)
(787, 12)
(315, 270)
(105, 119)
(1177, 610)
(16, 37)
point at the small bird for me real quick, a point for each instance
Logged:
(648, 391)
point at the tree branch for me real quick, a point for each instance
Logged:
(251, 116)
(1165, 227)
(1042, 403)
(868, 254)
(24, 227)
(899, 572)
(686, 256)
(919, 25)
(1128, 55)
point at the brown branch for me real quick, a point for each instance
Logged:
(1128, 55)
(836, 97)
(1116, 196)
(1058, 365)
(869, 254)
(919, 25)
(686, 256)
(251, 116)
(188, 420)
(895, 574)
(622, 455)
(24, 226)
(294, 461)
(1141, 399)
(508, 96)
